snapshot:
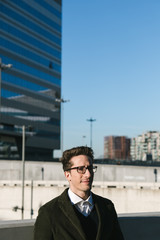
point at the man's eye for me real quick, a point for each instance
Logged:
(80, 168)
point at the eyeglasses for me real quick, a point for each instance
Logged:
(83, 169)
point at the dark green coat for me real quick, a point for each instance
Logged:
(57, 220)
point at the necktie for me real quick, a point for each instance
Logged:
(86, 208)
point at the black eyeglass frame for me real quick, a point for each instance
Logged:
(91, 168)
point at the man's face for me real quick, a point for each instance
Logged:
(80, 183)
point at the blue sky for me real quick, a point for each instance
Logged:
(110, 69)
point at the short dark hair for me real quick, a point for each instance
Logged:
(76, 151)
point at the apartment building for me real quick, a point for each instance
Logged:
(146, 146)
(117, 147)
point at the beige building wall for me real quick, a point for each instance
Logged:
(128, 197)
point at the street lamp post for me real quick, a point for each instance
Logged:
(23, 168)
(3, 67)
(62, 101)
(23, 174)
(91, 120)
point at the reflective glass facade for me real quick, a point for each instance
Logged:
(30, 40)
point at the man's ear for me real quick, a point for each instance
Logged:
(67, 175)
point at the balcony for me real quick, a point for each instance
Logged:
(144, 226)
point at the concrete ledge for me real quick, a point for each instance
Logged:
(16, 223)
(19, 230)
(141, 226)
(100, 184)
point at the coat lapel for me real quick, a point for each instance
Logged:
(67, 209)
(105, 219)
(101, 216)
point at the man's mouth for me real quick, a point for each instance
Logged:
(86, 181)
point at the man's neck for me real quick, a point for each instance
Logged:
(83, 195)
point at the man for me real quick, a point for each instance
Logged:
(78, 214)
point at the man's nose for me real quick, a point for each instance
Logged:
(88, 173)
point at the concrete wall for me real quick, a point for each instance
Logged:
(132, 189)
(137, 227)
(128, 197)
(11, 170)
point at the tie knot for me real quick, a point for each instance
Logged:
(86, 203)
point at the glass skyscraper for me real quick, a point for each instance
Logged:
(30, 40)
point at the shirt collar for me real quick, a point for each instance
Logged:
(76, 199)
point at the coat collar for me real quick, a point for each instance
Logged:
(67, 208)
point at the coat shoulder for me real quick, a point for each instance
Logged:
(50, 204)
(53, 204)
(102, 199)
(105, 203)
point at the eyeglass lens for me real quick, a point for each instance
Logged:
(83, 169)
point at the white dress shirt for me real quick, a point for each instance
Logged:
(83, 206)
